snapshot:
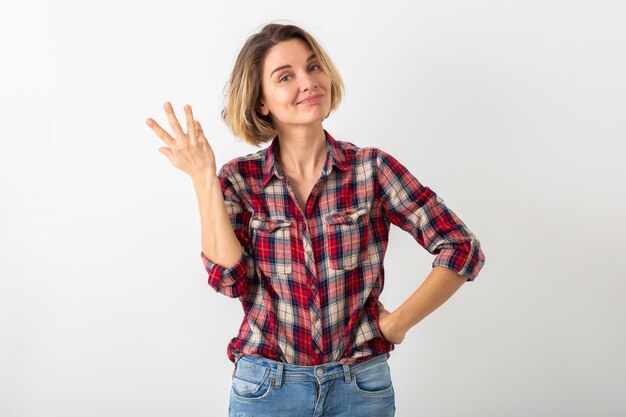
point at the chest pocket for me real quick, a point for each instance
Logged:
(346, 238)
(271, 240)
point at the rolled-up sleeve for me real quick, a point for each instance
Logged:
(416, 209)
(234, 281)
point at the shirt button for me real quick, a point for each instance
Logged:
(319, 372)
(317, 351)
(312, 287)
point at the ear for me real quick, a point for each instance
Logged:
(262, 108)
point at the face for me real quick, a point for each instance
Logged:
(295, 90)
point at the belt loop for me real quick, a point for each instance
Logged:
(279, 375)
(346, 373)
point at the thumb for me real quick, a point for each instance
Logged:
(381, 309)
(167, 152)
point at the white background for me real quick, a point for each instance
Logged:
(512, 111)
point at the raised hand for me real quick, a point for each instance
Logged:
(190, 152)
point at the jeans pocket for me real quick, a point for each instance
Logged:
(346, 238)
(251, 381)
(373, 381)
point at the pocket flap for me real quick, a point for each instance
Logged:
(269, 225)
(349, 216)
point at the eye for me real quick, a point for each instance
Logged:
(284, 78)
(315, 67)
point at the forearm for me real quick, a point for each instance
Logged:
(438, 287)
(219, 243)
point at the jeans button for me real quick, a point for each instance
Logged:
(319, 372)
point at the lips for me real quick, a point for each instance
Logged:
(311, 99)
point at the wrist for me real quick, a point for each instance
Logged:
(205, 181)
(390, 327)
(398, 322)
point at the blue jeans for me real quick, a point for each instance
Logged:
(262, 387)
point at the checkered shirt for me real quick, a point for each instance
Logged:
(309, 278)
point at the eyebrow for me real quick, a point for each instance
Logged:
(312, 56)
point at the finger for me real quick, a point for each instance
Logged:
(200, 132)
(191, 126)
(168, 153)
(160, 132)
(173, 121)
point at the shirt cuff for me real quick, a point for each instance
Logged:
(466, 259)
(221, 278)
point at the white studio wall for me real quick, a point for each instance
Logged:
(512, 111)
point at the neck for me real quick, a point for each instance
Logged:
(302, 151)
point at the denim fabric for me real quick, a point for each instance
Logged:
(262, 387)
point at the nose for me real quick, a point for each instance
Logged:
(308, 82)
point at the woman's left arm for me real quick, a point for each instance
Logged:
(439, 285)
(418, 210)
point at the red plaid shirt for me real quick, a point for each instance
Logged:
(309, 280)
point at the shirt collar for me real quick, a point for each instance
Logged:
(335, 156)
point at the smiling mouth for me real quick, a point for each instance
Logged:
(313, 99)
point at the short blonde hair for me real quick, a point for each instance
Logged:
(243, 90)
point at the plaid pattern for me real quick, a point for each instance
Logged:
(309, 278)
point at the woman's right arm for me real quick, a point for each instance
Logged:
(221, 249)
(219, 243)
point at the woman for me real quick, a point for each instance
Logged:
(298, 232)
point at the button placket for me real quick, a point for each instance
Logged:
(316, 326)
(309, 260)
(316, 323)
